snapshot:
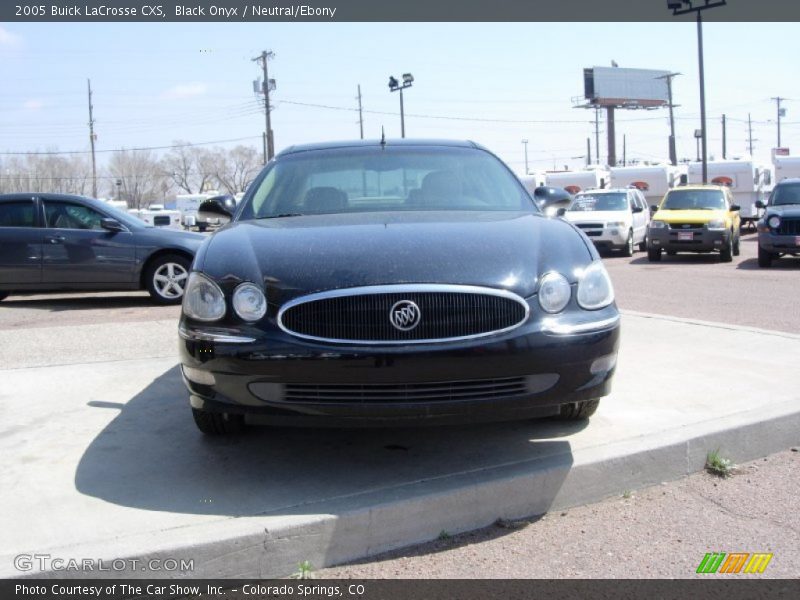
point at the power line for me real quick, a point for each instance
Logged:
(58, 152)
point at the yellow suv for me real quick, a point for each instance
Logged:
(696, 218)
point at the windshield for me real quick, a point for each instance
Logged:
(399, 178)
(786, 194)
(694, 200)
(589, 202)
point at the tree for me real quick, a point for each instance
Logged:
(141, 176)
(191, 167)
(236, 168)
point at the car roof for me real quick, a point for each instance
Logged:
(44, 196)
(698, 186)
(377, 142)
(606, 191)
(788, 180)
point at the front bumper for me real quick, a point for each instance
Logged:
(607, 237)
(778, 244)
(279, 379)
(702, 240)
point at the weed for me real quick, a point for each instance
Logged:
(719, 466)
(305, 570)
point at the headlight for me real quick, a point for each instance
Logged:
(249, 302)
(715, 224)
(616, 224)
(203, 300)
(554, 292)
(774, 221)
(658, 224)
(594, 287)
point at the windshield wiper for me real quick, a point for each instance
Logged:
(282, 215)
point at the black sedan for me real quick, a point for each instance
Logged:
(57, 243)
(779, 228)
(390, 283)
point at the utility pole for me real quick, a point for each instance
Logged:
(597, 134)
(624, 150)
(781, 112)
(750, 139)
(588, 151)
(723, 139)
(673, 154)
(268, 85)
(360, 114)
(611, 133)
(91, 140)
(525, 143)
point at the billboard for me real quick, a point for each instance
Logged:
(625, 88)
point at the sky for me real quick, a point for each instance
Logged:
(494, 83)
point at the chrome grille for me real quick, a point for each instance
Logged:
(361, 315)
(589, 225)
(439, 391)
(789, 227)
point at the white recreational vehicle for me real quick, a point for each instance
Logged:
(591, 178)
(786, 167)
(188, 205)
(748, 181)
(652, 180)
(533, 180)
(157, 216)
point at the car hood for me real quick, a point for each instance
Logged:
(596, 216)
(299, 255)
(784, 210)
(690, 216)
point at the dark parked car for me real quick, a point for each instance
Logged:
(779, 228)
(392, 283)
(56, 243)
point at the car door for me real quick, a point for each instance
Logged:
(78, 252)
(21, 238)
(639, 218)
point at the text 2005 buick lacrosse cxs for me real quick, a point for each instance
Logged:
(394, 282)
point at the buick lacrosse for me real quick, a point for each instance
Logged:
(391, 283)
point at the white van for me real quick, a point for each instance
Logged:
(614, 219)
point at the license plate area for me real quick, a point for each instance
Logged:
(685, 236)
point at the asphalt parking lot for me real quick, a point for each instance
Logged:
(89, 417)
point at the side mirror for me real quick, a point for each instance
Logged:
(561, 212)
(637, 209)
(735, 208)
(760, 204)
(219, 205)
(110, 224)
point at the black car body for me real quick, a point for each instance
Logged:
(401, 296)
(779, 228)
(57, 243)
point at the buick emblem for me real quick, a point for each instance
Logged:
(405, 315)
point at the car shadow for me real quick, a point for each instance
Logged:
(77, 302)
(151, 457)
(786, 263)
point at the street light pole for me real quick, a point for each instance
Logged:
(677, 9)
(525, 143)
(394, 86)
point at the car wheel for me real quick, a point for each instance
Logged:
(577, 411)
(627, 250)
(764, 258)
(166, 278)
(201, 227)
(211, 423)
(4, 295)
(643, 244)
(736, 249)
(726, 254)
(654, 254)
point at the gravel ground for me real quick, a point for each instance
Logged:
(659, 532)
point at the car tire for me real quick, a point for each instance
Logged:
(764, 258)
(736, 246)
(166, 277)
(4, 295)
(213, 423)
(654, 254)
(627, 249)
(577, 411)
(726, 254)
(643, 244)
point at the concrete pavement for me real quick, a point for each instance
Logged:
(103, 460)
